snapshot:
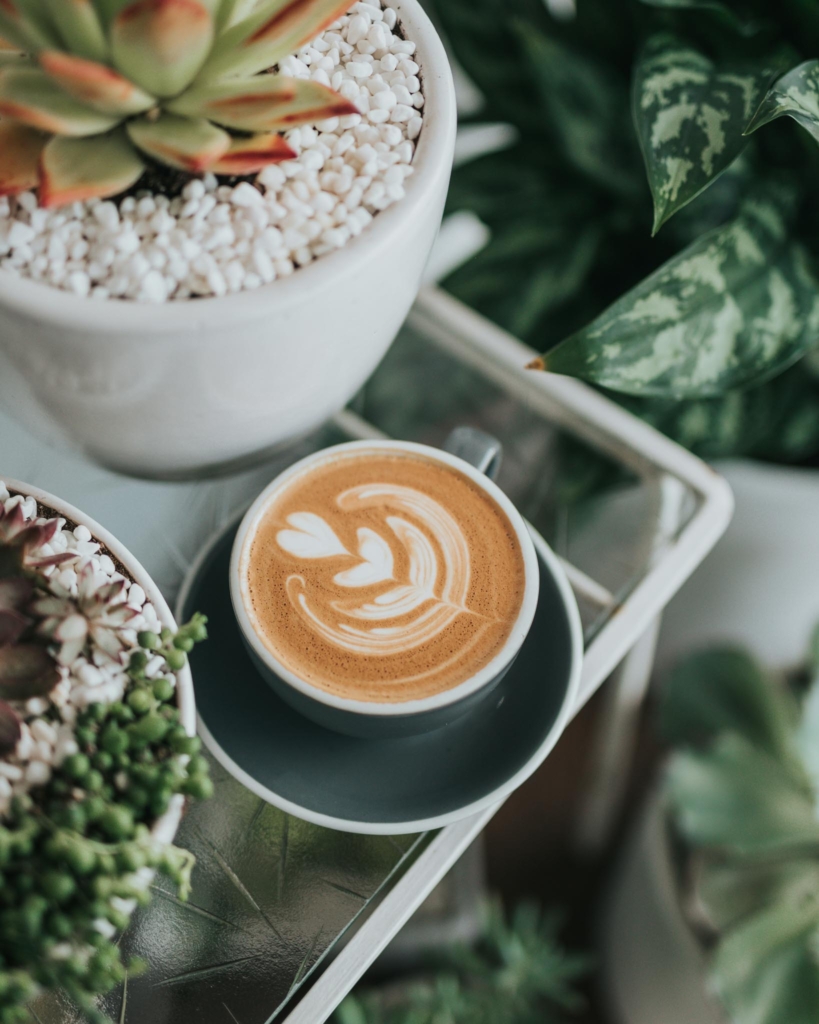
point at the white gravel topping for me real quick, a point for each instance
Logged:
(48, 722)
(215, 239)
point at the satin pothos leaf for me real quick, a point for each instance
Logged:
(796, 95)
(733, 309)
(690, 115)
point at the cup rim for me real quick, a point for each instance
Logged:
(445, 698)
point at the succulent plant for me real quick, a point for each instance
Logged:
(517, 973)
(97, 613)
(98, 88)
(744, 792)
(22, 541)
(26, 667)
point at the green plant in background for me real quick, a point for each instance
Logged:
(100, 87)
(743, 788)
(516, 974)
(653, 227)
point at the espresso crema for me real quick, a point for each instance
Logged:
(383, 576)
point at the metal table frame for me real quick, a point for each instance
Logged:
(627, 639)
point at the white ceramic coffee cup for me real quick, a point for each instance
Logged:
(368, 718)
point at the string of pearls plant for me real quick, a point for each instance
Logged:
(92, 752)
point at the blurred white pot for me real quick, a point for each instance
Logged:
(164, 828)
(193, 386)
(760, 586)
(653, 969)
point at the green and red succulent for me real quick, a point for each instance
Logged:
(26, 667)
(92, 90)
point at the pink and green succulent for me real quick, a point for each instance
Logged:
(91, 91)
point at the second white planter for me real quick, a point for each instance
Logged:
(758, 589)
(189, 387)
(654, 972)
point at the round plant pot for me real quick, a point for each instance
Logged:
(758, 588)
(203, 385)
(164, 829)
(653, 968)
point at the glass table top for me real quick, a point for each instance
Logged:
(274, 896)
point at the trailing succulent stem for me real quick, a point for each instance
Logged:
(90, 90)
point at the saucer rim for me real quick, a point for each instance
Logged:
(374, 828)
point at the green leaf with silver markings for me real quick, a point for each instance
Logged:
(731, 310)
(690, 116)
(795, 95)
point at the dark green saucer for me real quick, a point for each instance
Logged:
(381, 786)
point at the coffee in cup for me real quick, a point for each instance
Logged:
(384, 576)
(383, 587)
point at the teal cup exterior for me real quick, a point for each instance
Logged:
(476, 455)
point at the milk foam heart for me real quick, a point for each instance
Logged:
(385, 577)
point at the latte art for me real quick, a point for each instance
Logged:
(385, 577)
(416, 610)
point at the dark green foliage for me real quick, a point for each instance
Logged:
(663, 114)
(517, 974)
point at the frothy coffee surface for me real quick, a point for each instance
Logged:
(384, 576)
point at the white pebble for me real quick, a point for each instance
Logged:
(37, 773)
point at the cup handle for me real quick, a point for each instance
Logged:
(476, 447)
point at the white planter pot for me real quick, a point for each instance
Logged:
(653, 969)
(758, 588)
(165, 828)
(202, 384)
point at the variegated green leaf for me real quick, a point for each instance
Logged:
(731, 310)
(795, 95)
(690, 116)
